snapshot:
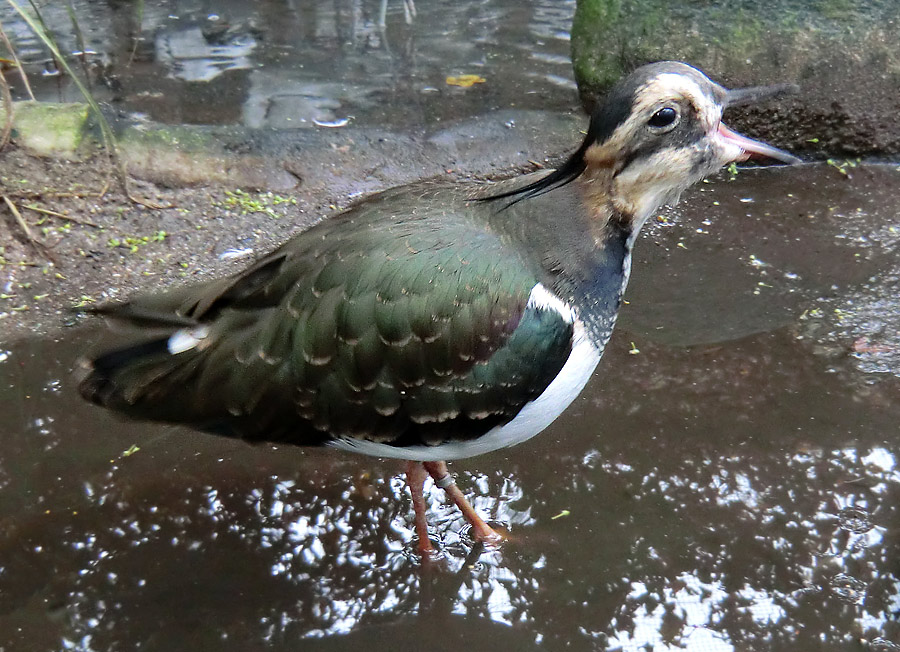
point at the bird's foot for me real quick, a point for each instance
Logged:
(481, 532)
(479, 529)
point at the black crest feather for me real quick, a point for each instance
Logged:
(604, 121)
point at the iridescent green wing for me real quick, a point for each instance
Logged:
(366, 327)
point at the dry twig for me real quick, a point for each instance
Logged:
(47, 211)
(40, 247)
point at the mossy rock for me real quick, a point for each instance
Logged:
(845, 55)
(50, 129)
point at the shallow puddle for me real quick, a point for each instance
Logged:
(728, 481)
(322, 63)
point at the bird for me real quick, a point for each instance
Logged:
(437, 320)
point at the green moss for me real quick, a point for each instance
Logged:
(49, 129)
(261, 202)
(594, 61)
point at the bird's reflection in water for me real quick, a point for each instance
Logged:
(162, 563)
(359, 562)
(326, 556)
(758, 541)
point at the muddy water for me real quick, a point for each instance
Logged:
(302, 64)
(728, 481)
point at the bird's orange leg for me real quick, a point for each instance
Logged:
(415, 478)
(481, 531)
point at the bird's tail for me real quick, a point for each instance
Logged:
(143, 380)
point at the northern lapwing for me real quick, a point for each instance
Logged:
(433, 321)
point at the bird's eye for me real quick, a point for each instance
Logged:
(665, 117)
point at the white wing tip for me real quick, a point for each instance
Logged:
(186, 339)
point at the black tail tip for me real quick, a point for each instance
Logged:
(93, 385)
(86, 377)
(100, 378)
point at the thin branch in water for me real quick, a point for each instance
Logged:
(79, 42)
(409, 11)
(140, 30)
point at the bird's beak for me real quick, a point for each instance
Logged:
(753, 148)
(754, 94)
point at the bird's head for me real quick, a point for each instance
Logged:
(658, 131)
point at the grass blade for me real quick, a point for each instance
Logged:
(79, 42)
(15, 57)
